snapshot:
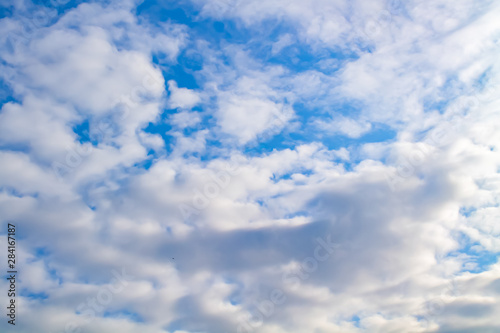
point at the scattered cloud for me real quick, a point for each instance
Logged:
(252, 166)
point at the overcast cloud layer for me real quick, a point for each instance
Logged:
(251, 166)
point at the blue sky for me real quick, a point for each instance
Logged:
(252, 166)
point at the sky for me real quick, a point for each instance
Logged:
(222, 166)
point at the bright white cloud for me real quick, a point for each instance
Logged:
(182, 97)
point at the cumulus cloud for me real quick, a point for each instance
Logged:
(182, 97)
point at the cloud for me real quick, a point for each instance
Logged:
(266, 199)
(181, 97)
(343, 125)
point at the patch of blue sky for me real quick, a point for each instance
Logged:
(355, 320)
(480, 259)
(301, 213)
(184, 72)
(11, 191)
(124, 314)
(283, 139)
(165, 129)
(233, 281)
(6, 93)
(227, 32)
(379, 132)
(435, 105)
(20, 147)
(177, 325)
(467, 211)
(215, 149)
(360, 45)
(93, 130)
(236, 297)
(144, 164)
(277, 142)
(234, 300)
(299, 58)
(82, 130)
(334, 141)
(454, 88)
(485, 259)
(483, 79)
(307, 111)
(54, 275)
(156, 11)
(63, 6)
(451, 89)
(6, 11)
(288, 176)
(187, 14)
(33, 295)
(161, 128)
(41, 252)
(59, 4)
(41, 12)
(294, 55)
(347, 108)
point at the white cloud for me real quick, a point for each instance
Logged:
(185, 119)
(343, 125)
(281, 43)
(182, 97)
(395, 210)
(246, 117)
